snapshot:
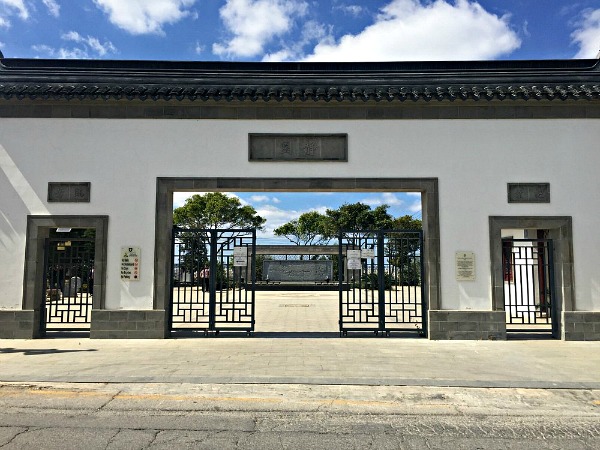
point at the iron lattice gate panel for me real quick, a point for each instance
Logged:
(213, 280)
(69, 283)
(529, 294)
(381, 281)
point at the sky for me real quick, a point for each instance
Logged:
(302, 30)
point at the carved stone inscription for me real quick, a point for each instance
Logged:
(298, 147)
(528, 192)
(69, 192)
(298, 271)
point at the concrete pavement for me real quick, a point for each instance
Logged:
(296, 342)
(305, 360)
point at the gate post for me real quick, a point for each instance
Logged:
(212, 288)
(381, 277)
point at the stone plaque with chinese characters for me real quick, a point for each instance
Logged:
(528, 192)
(298, 147)
(69, 192)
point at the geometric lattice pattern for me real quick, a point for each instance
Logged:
(213, 279)
(528, 281)
(69, 282)
(384, 291)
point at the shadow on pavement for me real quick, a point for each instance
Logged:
(41, 351)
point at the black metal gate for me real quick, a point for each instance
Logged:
(213, 280)
(529, 294)
(69, 284)
(381, 281)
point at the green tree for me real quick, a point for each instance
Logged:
(308, 229)
(404, 251)
(213, 210)
(355, 217)
(216, 211)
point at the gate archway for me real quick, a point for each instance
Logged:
(427, 187)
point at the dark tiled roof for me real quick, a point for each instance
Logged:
(226, 81)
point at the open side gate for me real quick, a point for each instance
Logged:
(213, 280)
(529, 293)
(381, 281)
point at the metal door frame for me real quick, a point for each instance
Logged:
(378, 240)
(219, 300)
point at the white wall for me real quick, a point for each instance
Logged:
(473, 159)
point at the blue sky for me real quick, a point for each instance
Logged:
(302, 30)
(258, 30)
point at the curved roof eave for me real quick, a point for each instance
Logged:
(248, 81)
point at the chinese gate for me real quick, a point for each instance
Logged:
(68, 283)
(381, 281)
(529, 295)
(212, 283)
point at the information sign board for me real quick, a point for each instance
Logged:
(131, 258)
(465, 266)
(240, 256)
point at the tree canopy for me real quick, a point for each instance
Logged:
(357, 216)
(216, 210)
(308, 229)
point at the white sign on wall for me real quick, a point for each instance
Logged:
(465, 266)
(240, 256)
(131, 258)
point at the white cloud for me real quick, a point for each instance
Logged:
(259, 198)
(353, 10)
(276, 217)
(145, 16)
(253, 23)
(385, 198)
(415, 207)
(587, 35)
(88, 47)
(408, 30)
(90, 42)
(53, 7)
(199, 48)
(312, 32)
(9, 8)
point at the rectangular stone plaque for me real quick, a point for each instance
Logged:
(69, 192)
(298, 271)
(528, 192)
(465, 266)
(298, 147)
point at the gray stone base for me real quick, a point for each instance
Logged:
(17, 324)
(478, 325)
(128, 324)
(581, 325)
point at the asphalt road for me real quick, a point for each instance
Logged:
(166, 416)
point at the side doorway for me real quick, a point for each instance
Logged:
(532, 272)
(381, 286)
(529, 287)
(67, 303)
(213, 281)
(54, 290)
